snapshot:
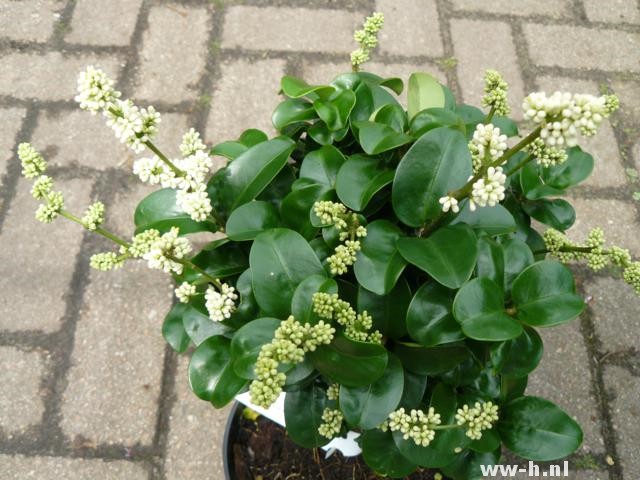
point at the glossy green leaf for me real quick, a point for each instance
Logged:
(247, 342)
(369, 98)
(295, 88)
(252, 136)
(379, 263)
(230, 149)
(437, 163)
(322, 165)
(334, 111)
(557, 213)
(467, 465)
(302, 301)
(159, 210)
(292, 110)
(247, 308)
(491, 261)
(430, 319)
(297, 206)
(359, 179)
(350, 363)
(173, 329)
(219, 259)
(321, 134)
(381, 454)
(376, 138)
(424, 92)
(196, 321)
(536, 429)
(491, 220)
(489, 442)
(430, 361)
(393, 116)
(479, 308)
(388, 311)
(413, 391)
(517, 257)
(520, 356)
(544, 295)
(393, 83)
(250, 219)
(431, 118)
(367, 407)
(439, 254)
(303, 415)
(211, 375)
(280, 259)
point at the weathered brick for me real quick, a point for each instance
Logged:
(20, 398)
(98, 23)
(550, 8)
(615, 11)
(629, 94)
(20, 467)
(244, 97)
(410, 28)
(625, 389)
(617, 219)
(41, 259)
(51, 76)
(195, 434)
(292, 29)
(616, 307)
(10, 123)
(608, 170)
(497, 52)
(563, 377)
(118, 343)
(582, 47)
(30, 20)
(78, 138)
(173, 54)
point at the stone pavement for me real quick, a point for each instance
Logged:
(88, 388)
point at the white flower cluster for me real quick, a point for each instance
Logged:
(95, 90)
(545, 155)
(487, 145)
(563, 115)
(107, 261)
(480, 417)
(220, 304)
(449, 203)
(185, 291)
(94, 216)
(488, 190)
(415, 425)
(191, 143)
(164, 252)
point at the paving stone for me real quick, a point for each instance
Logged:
(173, 53)
(29, 20)
(582, 47)
(195, 434)
(98, 23)
(625, 389)
(20, 397)
(10, 123)
(76, 137)
(51, 76)
(410, 28)
(244, 97)
(497, 52)
(291, 29)
(549, 8)
(616, 307)
(616, 218)
(20, 467)
(118, 344)
(615, 11)
(573, 474)
(608, 170)
(563, 377)
(41, 259)
(629, 94)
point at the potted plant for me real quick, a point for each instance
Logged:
(378, 267)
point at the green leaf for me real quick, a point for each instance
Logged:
(490, 260)
(359, 179)
(334, 111)
(413, 391)
(376, 138)
(253, 136)
(292, 110)
(467, 465)
(544, 295)
(211, 375)
(251, 172)
(436, 164)
(383, 457)
(247, 342)
(518, 357)
(173, 329)
(557, 213)
(439, 255)
(517, 256)
(297, 206)
(302, 301)
(196, 322)
(495, 220)
(280, 259)
(247, 308)
(424, 92)
(431, 118)
(321, 134)
(219, 259)
(393, 83)
(159, 210)
(303, 415)
(536, 429)
(230, 149)
(489, 442)
(430, 321)
(295, 88)
(369, 98)
(250, 219)
(379, 263)
(479, 308)
(430, 361)
(322, 165)
(388, 311)
(533, 185)
(393, 116)
(367, 407)
(350, 363)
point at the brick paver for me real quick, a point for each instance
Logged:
(92, 391)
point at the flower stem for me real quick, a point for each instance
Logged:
(194, 267)
(99, 230)
(520, 165)
(490, 115)
(150, 145)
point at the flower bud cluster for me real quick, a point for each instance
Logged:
(332, 422)
(487, 145)
(488, 190)
(480, 417)
(290, 343)
(107, 261)
(357, 326)
(33, 164)
(333, 392)
(545, 155)
(367, 39)
(220, 302)
(495, 93)
(164, 252)
(415, 425)
(94, 216)
(185, 292)
(191, 143)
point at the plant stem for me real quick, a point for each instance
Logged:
(520, 165)
(446, 427)
(149, 144)
(490, 115)
(569, 249)
(193, 266)
(100, 231)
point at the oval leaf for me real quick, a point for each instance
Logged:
(382, 455)
(250, 219)
(430, 319)
(424, 92)
(303, 415)
(247, 343)
(359, 179)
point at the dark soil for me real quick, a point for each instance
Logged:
(263, 451)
